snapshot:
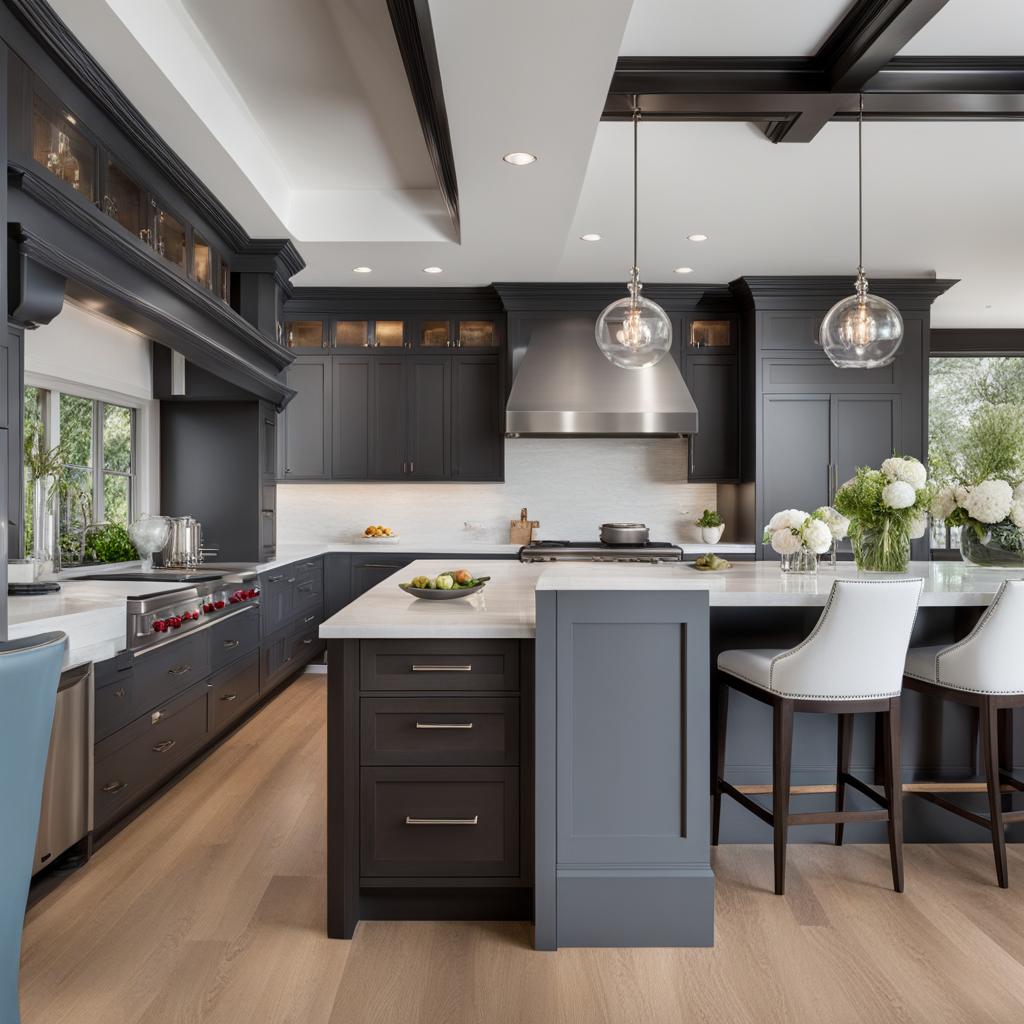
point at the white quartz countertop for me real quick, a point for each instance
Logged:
(93, 614)
(505, 608)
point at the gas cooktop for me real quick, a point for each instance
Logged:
(596, 551)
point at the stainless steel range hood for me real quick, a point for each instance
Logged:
(565, 387)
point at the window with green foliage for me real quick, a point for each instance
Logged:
(957, 387)
(97, 448)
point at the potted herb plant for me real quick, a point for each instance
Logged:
(712, 526)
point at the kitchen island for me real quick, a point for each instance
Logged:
(550, 735)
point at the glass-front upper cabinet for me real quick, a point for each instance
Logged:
(169, 236)
(710, 334)
(434, 334)
(304, 334)
(126, 201)
(352, 334)
(62, 148)
(389, 334)
(202, 260)
(477, 334)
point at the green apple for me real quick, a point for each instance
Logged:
(444, 582)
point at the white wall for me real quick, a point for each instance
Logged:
(571, 485)
(89, 355)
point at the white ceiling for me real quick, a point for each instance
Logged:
(730, 28)
(302, 123)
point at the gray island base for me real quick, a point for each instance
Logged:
(542, 748)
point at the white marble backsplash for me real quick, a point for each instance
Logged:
(571, 485)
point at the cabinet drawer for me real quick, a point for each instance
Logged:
(439, 665)
(306, 644)
(439, 822)
(439, 730)
(115, 705)
(138, 758)
(234, 636)
(233, 690)
(163, 672)
(308, 596)
(276, 590)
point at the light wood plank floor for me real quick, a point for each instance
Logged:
(210, 908)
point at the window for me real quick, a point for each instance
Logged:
(98, 445)
(957, 385)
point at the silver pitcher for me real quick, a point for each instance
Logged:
(184, 547)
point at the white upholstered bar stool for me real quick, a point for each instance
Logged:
(985, 671)
(852, 662)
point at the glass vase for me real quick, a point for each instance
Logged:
(1000, 547)
(42, 520)
(802, 562)
(881, 550)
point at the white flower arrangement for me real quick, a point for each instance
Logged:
(793, 530)
(887, 508)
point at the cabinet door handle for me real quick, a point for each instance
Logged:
(155, 717)
(308, 641)
(230, 645)
(291, 579)
(179, 670)
(412, 467)
(274, 579)
(442, 668)
(475, 820)
(114, 787)
(308, 618)
(378, 565)
(164, 746)
(444, 725)
(120, 692)
(229, 697)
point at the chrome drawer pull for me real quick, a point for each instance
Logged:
(114, 787)
(179, 670)
(230, 644)
(444, 725)
(230, 697)
(308, 618)
(308, 640)
(274, 579)
(475, 820)
(442, 668)
(162, 748)
(156, 716)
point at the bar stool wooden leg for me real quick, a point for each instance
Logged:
(1006, 750)
(718, 768)
(990, 760)
(782, 757)
(894, 789)
(844, 742)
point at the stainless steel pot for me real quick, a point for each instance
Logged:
(624, 533)
(183, 549)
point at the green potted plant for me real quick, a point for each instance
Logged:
(712, 526)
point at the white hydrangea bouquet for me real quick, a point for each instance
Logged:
(984, 492)
(887, 509)
(799, 537)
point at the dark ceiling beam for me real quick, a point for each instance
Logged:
(414, 33)
(868, 37)
(792, 98)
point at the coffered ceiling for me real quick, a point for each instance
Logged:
(301, 119)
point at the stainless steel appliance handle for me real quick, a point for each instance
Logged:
(253, 605)
(444, 725)
(475, 820)
(442, 668)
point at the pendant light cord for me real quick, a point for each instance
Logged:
(636, 123)
(860, 187)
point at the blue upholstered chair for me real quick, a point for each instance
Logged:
(29, 675)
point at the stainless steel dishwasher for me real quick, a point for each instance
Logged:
(66, 815)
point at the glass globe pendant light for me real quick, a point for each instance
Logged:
(863, 331)
(634, 332)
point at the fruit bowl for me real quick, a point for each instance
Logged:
(393, 539)
(443, 595)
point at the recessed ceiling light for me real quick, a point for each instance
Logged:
(697, 238)
(362, 270)
(519, 159)
(684, 270)
(591, 238)
(431, 270)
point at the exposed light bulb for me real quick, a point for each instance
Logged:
(634, 332)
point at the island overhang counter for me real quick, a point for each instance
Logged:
(542, 748)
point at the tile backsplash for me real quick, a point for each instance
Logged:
(571, 485)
